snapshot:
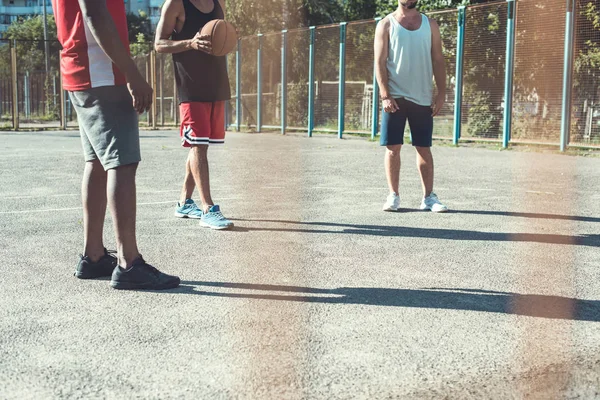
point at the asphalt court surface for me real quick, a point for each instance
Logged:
(316, 293)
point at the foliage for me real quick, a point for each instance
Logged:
(139, 26)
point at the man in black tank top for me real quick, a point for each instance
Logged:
(203, 87)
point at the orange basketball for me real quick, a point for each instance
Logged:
(222, 36)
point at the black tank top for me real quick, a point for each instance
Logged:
(199, 76)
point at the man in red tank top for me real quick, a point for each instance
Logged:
(108, 92)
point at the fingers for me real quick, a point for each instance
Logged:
(203, 45)
(390, 106)
(142, 103)
(199, 36)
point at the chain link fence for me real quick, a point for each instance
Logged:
(271, 85)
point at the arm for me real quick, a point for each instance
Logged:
(102, 26)
(172, 11)
(439, 66)
(381, 55)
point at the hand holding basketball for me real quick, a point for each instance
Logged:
(201, 42)
(221, 35)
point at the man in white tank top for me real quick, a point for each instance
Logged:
(408, 55)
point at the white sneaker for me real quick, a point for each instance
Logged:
(392, 203)
(433, 204)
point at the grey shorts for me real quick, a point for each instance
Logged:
(108, 124)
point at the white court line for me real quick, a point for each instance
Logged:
(537, 192)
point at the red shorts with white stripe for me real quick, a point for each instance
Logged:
(202, 123)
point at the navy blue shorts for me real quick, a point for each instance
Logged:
(419, 119)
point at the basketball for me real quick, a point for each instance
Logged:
(222, 36)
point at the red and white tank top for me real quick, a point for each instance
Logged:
(83, 64)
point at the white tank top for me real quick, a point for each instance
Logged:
(409, 63)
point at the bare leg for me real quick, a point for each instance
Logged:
(188, 183)
(122, 202)
(425, 166)
(199, 166)
(93, 194)
(392, 167)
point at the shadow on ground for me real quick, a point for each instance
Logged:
(449, 234)
(555, 307)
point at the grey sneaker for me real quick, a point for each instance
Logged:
(141, 275)
(86, 269)
(433, 204)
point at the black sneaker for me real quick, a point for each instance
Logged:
(86, 269)
(142, 275)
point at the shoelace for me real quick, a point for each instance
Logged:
(150, 268)
(112, 254)
(218, 215)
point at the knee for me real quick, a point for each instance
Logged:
(393, 151)
(95, 169)
(423, 151)
(199, 151)
(128, 168)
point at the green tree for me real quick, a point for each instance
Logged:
(139, 26)
(28, 34)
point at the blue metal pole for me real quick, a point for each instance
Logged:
(342, 81)
(238, 86)
(508, 80)
(283, 81)
(259, 84)
(227, 105)
(376, 104)
(311, 82)
(565, 128)
(460, 52)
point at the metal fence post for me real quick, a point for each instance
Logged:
(342, 82)
(63, 105)
(176, 99)
(283, 80)
(460, 52)
(259, 84)
(27, 95)
(376, 104)
(15, 88)
(508, 80)
(238, 86)
(161, 89)
(311, 82)
(154, 107)
(227, 103)
(565, 128)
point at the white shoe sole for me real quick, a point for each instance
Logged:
(391, 209)
(426, 208)
(217, 228)
(179, 215)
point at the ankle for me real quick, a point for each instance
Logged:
(126, 260)
(94, 254)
